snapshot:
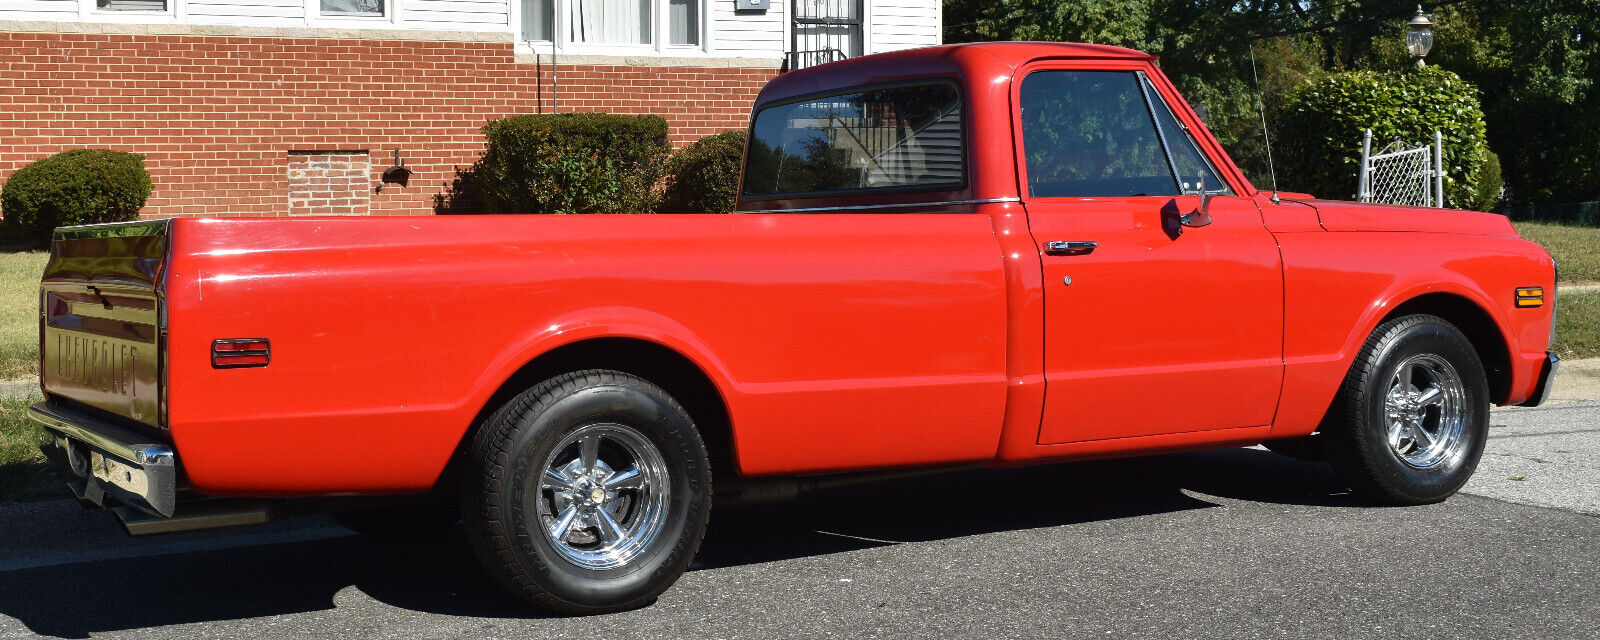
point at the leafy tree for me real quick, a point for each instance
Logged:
(1536, 62)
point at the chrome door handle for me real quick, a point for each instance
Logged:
(1069, 247)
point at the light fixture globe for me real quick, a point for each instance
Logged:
(1419, 35)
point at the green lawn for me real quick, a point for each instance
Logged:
(19, 313)
(24, 474)
(1578, 325)
(1576, 249)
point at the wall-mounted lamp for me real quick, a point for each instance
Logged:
(395, 174)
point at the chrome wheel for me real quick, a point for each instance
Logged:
(1425, 411)
(603, 496)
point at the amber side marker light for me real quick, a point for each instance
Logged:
(240, 352)
(1530, 296)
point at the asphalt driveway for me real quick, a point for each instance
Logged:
(1234, 543)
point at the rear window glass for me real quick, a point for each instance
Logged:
(906, 137)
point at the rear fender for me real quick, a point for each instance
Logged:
(592, 323)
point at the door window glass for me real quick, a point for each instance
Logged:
(1186, 154)
(1090, 134)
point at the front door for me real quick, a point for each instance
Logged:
(1162, 325)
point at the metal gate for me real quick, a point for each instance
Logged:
(822, 31)
(1404, 175)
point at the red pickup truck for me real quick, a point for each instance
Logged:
(983, 254)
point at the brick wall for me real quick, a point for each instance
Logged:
(219, 118)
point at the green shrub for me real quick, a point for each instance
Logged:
(1489, 182)
(704, 176)
(82, 186)
(572, 163)
(1322, 126)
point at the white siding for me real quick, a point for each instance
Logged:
(749, 34)
(277, 12)
(759, 35)
(59, 10)
(430, 15)
(903, 24)
(458, 14)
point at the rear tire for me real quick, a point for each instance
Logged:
(588, 493)
(1411, 418)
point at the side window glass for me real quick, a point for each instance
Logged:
(1191, 164)
(1090, 134)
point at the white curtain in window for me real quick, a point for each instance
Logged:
(536, 18)
(683, 22)
(353, 7)
(611, 21)
(132, 5)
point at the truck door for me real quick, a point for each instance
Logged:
(1154, 323)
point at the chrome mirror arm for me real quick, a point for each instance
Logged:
(1201, 216)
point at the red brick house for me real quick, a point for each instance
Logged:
(296, 107)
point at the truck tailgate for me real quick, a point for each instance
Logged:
(101, 309)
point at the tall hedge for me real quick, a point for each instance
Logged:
(1321, 131)
(704, 176)
(82, 186)
(572, 163)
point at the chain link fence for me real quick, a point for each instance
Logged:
(1402, 173)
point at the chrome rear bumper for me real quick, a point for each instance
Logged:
(1547, 376)
(105, 458)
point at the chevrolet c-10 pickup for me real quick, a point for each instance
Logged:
(971, 255)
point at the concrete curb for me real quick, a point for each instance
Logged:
(1577, 381)
(18, 388)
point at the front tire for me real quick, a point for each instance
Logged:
(589, 492)
(1411, 418)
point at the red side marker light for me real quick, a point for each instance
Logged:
(234, 353)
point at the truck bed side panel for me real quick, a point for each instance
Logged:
(838, 341)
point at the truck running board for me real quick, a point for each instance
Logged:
(192, 516)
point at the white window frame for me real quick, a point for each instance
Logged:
(659, 34)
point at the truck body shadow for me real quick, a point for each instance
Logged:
(76, 600)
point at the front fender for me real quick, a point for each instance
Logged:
(1339, 286)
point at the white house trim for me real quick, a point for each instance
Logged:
(725, 32)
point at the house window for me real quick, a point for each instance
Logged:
(353, 7)
(131, 5)
(613, 21)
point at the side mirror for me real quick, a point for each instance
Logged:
(1202, 216)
